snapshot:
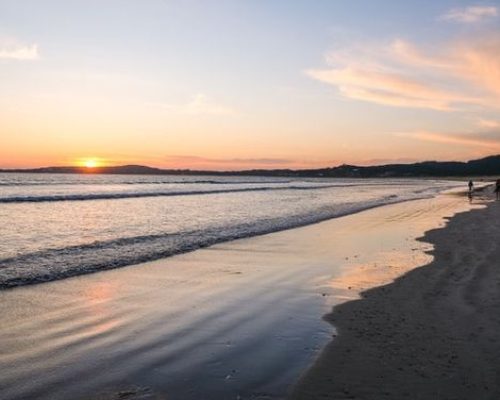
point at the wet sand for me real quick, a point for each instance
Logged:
(432, 334)
(237, 320)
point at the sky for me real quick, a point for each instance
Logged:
(208, 84)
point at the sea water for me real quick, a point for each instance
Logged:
(58, 225)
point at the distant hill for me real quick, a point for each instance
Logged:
(483, 167)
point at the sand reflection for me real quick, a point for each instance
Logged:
(380, 268)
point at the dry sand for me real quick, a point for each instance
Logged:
(432, 334)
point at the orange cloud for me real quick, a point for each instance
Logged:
(457, 76)
(479, 62)
(390, 88)
(489, 123)
(197, 162)
(488, 140)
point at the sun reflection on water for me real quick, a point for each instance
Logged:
(99, 297)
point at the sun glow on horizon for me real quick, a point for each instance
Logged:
(89, 163)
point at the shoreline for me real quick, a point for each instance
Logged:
(430, 334)
(242, 318)
(10, 278)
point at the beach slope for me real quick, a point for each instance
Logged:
(434, 333)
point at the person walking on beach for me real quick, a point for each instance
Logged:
(471, 187)
(497, 188)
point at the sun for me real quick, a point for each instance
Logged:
(90, 163)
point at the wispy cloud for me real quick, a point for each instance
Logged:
(200, 104)
(489, 140)
(387, 87)
(14, 50)
(470, 14)
(450, 76)
(256, 161)
(194, 162)
(383, 161)
(488, 123)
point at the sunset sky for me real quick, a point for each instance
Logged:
(247, 84)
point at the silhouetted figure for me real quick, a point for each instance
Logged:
(471, 187)
(497, 188)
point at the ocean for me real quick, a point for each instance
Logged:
(59, 225)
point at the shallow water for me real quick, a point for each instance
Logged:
(236, 319)
(56, 225)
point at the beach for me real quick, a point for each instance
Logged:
(249, 200)
(431, 334)
(242, 319)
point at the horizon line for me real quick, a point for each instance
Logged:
(98, 169)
